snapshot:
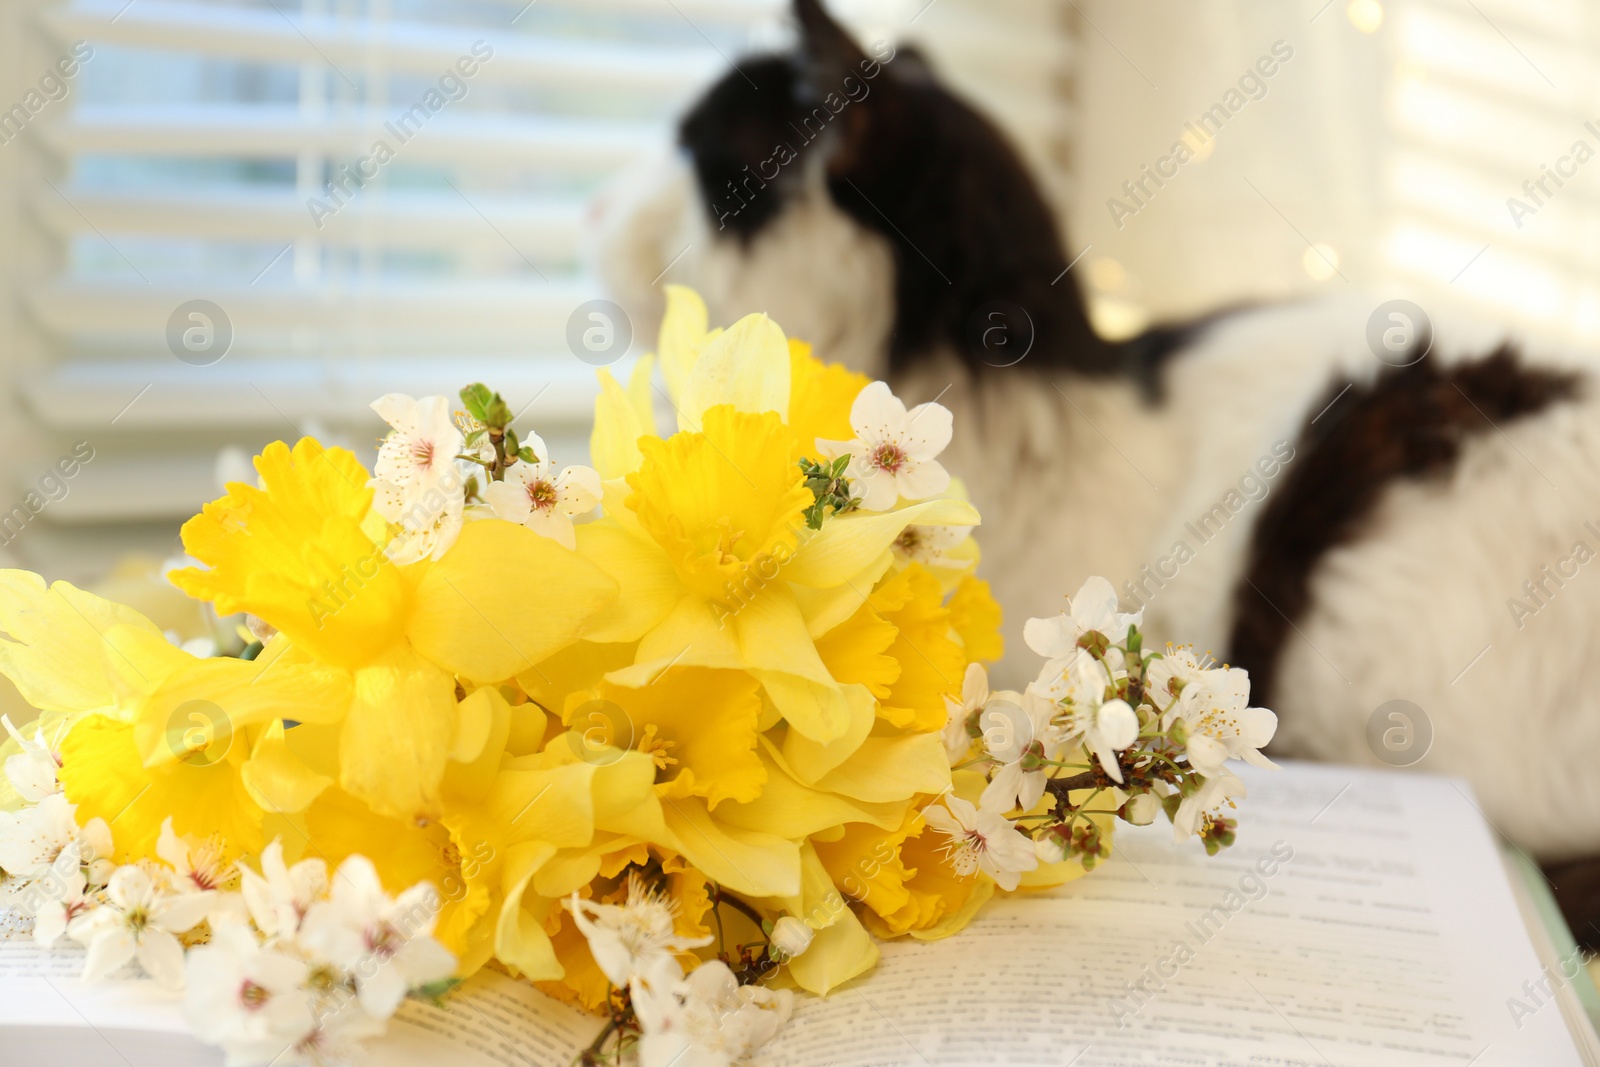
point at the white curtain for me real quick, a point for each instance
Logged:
(1383, 153)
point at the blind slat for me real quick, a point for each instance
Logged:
(157, 394)
(414, 48)
(275, 132)
(547, 226)
(455, 307)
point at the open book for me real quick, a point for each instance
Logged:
(1362, 918)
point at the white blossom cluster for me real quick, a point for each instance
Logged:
(424, 476)
(706, 1018)
(288, 967)
(1146, 732)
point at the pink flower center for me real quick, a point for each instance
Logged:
(889, 458)
(383, 940)
(422, 453)
(542, 495)
(253, 997)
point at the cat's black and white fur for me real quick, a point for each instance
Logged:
(1351, 532)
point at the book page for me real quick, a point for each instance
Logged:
(1362, 918)
(492, 1021)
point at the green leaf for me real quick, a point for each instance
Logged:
(526, 454)
(476, 398)
(497, 414)
(511, 442)
(475, 436)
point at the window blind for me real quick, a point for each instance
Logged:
(245, 219)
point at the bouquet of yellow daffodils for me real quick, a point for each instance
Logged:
(668, 736)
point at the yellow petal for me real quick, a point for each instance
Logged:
(637, 565)
(694, 633)
(483, 725)
(54, 645)
(815, 710)
(931, 662)
(820, 397)
(811, 760)
(614, 442)
(220, 695)
(944, 901)
(746, 861)
(683, 332)
(776, 646)
(396, 737)
(475, 717)
(841, 948)
(847, 543)
(788, 808)
(826, 608)
(641, 392)
(520, 942)
(705, 722)
(103, 775)
(747, 367)
(865, 863)
(724, 504)
(975, 616)
(502, 599)
(300, 554)
(277, 779)
(578, 668)
(857, 651)
(891, 768)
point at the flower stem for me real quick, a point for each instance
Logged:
(719, 897)
(620, 1019)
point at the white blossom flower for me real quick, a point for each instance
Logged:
(1050, 848)
(342, 1025)
(931, 545)
(138, 921)
(33, 770)
(196, 868)
(247, 998)
(1221, 725)
(982, 839)
(1169, 673)
(279, 897)
(974, 695)
(1093, 608)
(1214, 791)
(895, 451)
(1141, 810)
(430, 518)
(422, 444)
(791, 936)
(1016, 726)
(384, 943)
(540, 499)
(706, 1019)
(417, 481)
(58, 896)
(628, 939)
(1104, 727)
(33, 837)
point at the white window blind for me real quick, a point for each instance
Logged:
(1391, 140)
(1493, 178)
(377, 195)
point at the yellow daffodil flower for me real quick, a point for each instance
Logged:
(306, 553)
